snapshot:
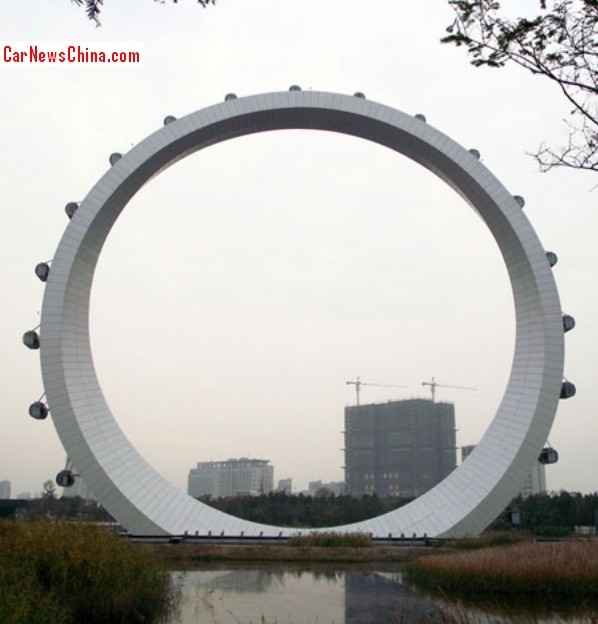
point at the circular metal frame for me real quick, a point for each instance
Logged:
(140, 498)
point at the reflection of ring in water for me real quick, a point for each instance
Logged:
(241, 581)
(381, 597)
(306, 596)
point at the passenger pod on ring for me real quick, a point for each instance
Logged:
(548, 455)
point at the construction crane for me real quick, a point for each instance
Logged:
(433, 385)
(358, 383)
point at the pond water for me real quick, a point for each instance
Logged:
(326, 596)
(298, 597)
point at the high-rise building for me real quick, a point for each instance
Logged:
(285, 485)
(233, 477)
(4, 489)
(466, 451)
(399, 448)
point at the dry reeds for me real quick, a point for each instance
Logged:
(561, 570)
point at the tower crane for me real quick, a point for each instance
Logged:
(433, 385)
(358, 383)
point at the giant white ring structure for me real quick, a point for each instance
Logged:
(146, 503)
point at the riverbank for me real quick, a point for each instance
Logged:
(188, 554)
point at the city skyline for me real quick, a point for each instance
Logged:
(304, 489)
(268, 271)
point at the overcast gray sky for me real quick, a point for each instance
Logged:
(243, 287)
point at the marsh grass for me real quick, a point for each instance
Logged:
(558, 572)
(73, 573)
(458, 613)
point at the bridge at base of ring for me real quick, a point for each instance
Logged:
(140, 498)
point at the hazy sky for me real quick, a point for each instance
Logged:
(244, 286)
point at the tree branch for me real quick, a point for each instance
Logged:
(560, 44)
(92, 7)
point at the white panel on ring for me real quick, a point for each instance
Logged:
(140, 498)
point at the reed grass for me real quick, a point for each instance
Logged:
(74, 573)
(545, 571)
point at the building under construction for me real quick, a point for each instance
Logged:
(399, 448)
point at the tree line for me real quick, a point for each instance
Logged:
(556, 512)
(72, 507)
(550, 514)
(322, 510)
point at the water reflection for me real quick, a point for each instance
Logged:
(381, 597)
(266, 596)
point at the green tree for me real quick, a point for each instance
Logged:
(324, 493)
(93, 10)
(560, 44)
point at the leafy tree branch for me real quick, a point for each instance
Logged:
(561, 44)
(93, 10)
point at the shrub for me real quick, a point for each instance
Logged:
(332, 540)
(64, 573)
(552, 531)
(490, 540)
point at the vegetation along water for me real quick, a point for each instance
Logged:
(544, 573)
(63, 572)
(74, 573)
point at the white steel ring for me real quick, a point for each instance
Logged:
(140, 498)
